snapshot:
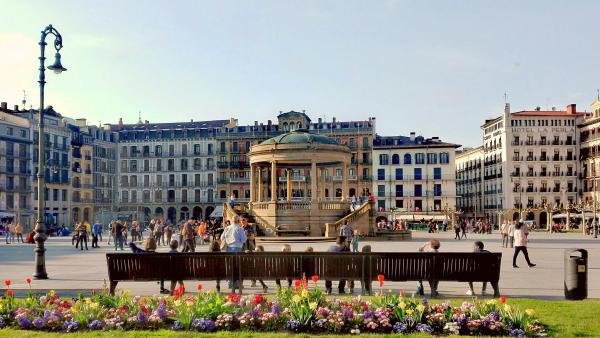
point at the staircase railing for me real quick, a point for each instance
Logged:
(353, 216)
(228, 212)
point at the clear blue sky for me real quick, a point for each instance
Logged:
(434, 67)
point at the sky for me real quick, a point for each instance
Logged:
(439, 68)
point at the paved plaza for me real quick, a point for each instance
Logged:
(73, 271)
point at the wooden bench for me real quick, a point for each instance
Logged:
(364, 267)
(281, 230)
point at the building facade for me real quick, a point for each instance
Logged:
(469, 182)
(531, 161)
(104, 157)
(589, 130)
(167, 169)
(15, 167)
(414, 175)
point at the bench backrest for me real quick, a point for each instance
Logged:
(401, 266)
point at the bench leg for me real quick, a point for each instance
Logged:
(496, 288)
(113, 286)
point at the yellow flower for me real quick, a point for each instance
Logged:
(402, 305)
(93, 305)
(189, 303)
(530, 312)
(491, 302)
(177, 302)
(87, 300)
(304, 293)
(51, 293)
(420, 307)
(296, 299)
(506, 307)
(312, 305)
(409, 312)
(73, 310)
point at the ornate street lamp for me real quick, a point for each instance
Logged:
(40, 227)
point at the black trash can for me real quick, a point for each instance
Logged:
(576, 274)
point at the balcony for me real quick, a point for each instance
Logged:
(240, 179)
(223, 164)
(516, 158)
(294, 179)
(366, 178)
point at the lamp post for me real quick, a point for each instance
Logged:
(40, 227)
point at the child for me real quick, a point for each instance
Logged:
(215, 246)
(260, 248)
(355, 240)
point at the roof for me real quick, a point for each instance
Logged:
(300, 136)
(171, 125)
(292, 114)
(557, 113)
(395, 142)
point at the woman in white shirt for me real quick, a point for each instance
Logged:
(521, 244)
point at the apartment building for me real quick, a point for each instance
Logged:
(469, 182)
(589, 130)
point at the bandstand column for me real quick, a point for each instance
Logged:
(252, 183)
(273, 181)
(289, 184)
(260, 187)
(344, 181)
(314, 197)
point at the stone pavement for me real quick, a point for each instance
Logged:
(73, 271)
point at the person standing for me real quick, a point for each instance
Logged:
(356, 240)
(19, 232)
(8, 230)
(96, 231)
(521, 244)
(82, 236)
(347, 233)
(118, 235)
(504, 233)
(234, 237)
(188, 237)
(511, 234)
(457, 231)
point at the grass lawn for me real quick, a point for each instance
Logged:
(564, 318)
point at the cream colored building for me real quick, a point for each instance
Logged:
(415, 176)
(530, 162)
(590, 153)
(469, 182)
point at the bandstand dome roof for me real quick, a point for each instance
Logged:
(300, 136)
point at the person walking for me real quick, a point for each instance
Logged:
(118, 235)
(82, 236)
(187, 233)
(463, 230)
(111, 232)
(9, 230)
(457, 231)
(521, 244)
(504, 233)
(511, 234)
(356, 240)
(234, 238)
(19, 232)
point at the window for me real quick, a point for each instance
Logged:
(432, 158)
(407, 159)
(437, 190)
(381, 204)
(419, 158)
(400, 204)
(418, 190)
(158, 150)
(399, 174)
(418, 174)
(395, 159)
(437, 173)
(444, 158)
(381, 190)
(383, 159)
(381, 174)
(399, 190)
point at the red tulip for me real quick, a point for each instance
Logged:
(402, 293)
(7, 282)
(199, 287)
(28, 280)
(380, 278)
(502, 299)
(297, 283)
(315, 278)
(9, 293)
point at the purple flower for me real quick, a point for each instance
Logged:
(96, 325)
(399, 327)
(424, 328)
(292, 324)
(204, 325)
(254, 313)
(516, 333)
(424, 302)
(142, 318)
(368, 314)
(23, 322)
(161, 311)
(276, 308)
(317, 324)
(2, 322)
(177, 326)
(70, 325)
(347, 313)
(495, 315)
(38, 323)
(47, 314)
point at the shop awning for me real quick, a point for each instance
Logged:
(218, 212)
(418, 217)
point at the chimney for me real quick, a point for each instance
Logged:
(412, 136)
(81, 122)
(146, 121)
(333, 120)
(3, 105)
(256, 123)
(16, 107)
(572, 109)
(320, 120)
(107, 126)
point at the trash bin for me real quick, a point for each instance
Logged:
(576, 274)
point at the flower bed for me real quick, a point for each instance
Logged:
(303, 308)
